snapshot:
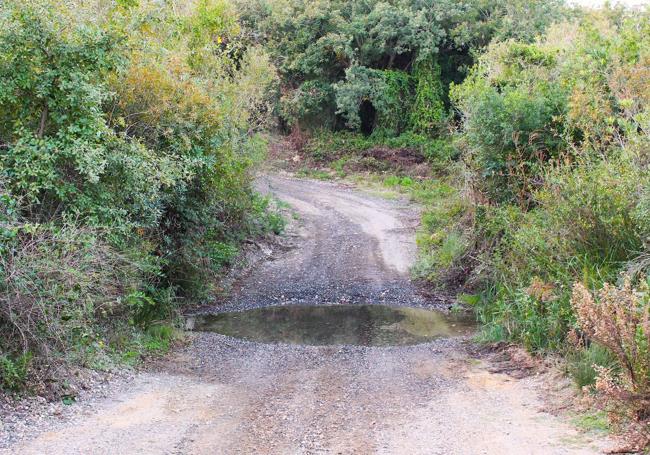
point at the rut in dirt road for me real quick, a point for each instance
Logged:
(221, 395)
(351, 248)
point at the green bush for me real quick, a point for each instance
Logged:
(582, 364)
(442, 240)
(393, 60)
(395, 103)
(159, 337)
(14, 371)
(553, 175)
(126, 136)
(61, 287)
(511, 131)
(428, 115)
(309, 104)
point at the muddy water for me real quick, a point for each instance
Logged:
(358, 325)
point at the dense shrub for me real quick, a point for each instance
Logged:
(584, 362)
(59, 283)
(126, 134)
(511, 119)
(368, 64)
(428, 114)
(555, 171)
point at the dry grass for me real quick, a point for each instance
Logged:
(619, 319)
(56, 286)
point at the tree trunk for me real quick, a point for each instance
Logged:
(43, 123)
(391, 60)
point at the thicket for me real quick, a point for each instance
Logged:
(551, 198)
(554, 136)
(126, 132)
(382, 67)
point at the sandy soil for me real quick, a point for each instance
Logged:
(219, 395)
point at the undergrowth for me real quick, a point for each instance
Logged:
(127, 135)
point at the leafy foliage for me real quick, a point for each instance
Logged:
(13, 371)
(553, 173)
(428, 114)
(126, 134)
(337, 58)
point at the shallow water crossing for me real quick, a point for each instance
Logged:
(357, 325)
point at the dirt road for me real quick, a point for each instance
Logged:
(225, 396)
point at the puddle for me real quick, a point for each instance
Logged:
(360, 325)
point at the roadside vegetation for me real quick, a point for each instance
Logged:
(128, 130)
(126, 133)
(522, 128)
(555, 138)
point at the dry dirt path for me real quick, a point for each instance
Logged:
(219, 395)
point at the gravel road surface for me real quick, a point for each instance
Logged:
(219, 395)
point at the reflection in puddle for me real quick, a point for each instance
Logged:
(360, 325)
